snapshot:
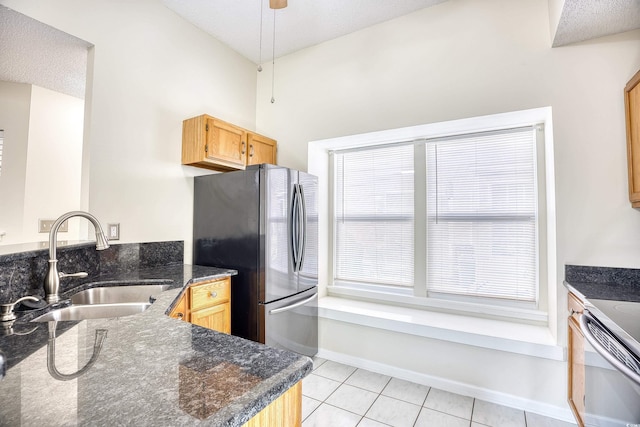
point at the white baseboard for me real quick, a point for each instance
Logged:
(559, 413)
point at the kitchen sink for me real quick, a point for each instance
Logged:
(117, 294)
(105, 302)
(95, 311)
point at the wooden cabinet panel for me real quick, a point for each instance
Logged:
(576, 369)
(632, 111)
(180, 311)
(261, 149)
(212, 143)
(217, 318)
(285, 411)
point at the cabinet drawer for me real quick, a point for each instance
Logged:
(210, 294)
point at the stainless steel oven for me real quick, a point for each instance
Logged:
(612, 371)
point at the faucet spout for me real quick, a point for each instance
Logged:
(52, 279)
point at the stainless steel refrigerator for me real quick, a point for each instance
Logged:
(263, 222)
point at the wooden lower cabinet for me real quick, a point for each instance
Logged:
(285, 411)
(576, 369)
(206, 304)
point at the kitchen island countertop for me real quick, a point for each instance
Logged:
(151, 369)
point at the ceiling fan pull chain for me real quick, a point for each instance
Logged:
(273, 61)
(260, 52)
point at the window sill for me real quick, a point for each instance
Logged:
(530, 340)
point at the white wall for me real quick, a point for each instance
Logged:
(555, 11)
(460, 59)
(151, 70)
(15, 101)
(54, 162)
(43, 160)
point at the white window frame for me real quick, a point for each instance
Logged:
(320, 164)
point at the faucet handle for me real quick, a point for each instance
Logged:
(81, 274)
(6, 310)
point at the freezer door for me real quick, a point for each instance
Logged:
(278, 278)
(292, 323)
(308, 272)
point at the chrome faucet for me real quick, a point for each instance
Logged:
(52, 280)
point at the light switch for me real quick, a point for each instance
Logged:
(44, 226)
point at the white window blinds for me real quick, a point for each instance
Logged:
(481, 215)
(373, 215)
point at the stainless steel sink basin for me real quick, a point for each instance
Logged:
(117, 294)
(95, 311)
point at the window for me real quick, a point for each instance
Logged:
(442, 219)
(481, 215)
(374, 216)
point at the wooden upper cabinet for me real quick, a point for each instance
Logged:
(632, 110)
(215, 144)
(261, 149)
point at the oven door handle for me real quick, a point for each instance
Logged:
(620, 366)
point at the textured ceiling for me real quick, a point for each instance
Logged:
(301, 24)
(582, 20)
(35, 53)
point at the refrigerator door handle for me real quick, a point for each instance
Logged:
(298, 223)
(303, 226)
(294, 305)
(293, 227)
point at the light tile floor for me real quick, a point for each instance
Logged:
(337, 395)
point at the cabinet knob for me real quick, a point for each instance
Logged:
(214, 294)
(180, 315)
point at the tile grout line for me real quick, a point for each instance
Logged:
(378, 396)
(473, 408)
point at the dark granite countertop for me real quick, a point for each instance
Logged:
(151, 369)
(604, 283)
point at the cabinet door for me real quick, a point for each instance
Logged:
(261, 149)
(576, 374)
(217, 318)
(226, 143)
(632, 107)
